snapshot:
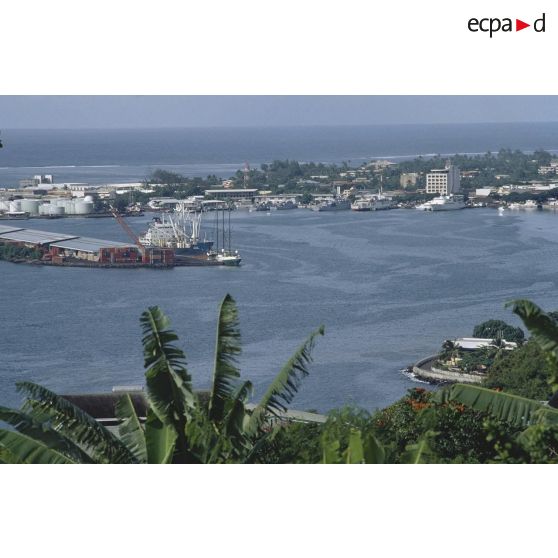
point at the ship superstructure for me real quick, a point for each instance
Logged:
(180, 231)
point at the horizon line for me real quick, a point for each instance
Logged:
(275, 126)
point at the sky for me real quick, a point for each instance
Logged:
(212, 111)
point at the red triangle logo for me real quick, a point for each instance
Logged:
(519, 25)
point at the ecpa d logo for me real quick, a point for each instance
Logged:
(493, 25)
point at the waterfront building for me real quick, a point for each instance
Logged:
(94, 250)
(483, 192)
(163, 203)
(477, 343)
(444, 181)
(232, 194)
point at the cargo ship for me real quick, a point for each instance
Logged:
(180, 231)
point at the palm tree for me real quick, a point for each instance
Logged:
(450, 351)
(179, 427)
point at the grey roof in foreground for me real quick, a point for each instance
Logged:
(92, 245)
(5, 229)
(34, 236)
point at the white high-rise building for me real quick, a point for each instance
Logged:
(443, 181)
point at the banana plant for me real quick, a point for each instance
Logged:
(516, 410)
(178, 428)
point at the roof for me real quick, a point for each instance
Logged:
(102, 406)
(33, 236)
(473, 343)
(4, 229)
(92, 245)
(231, 190)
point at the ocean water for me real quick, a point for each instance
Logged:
(101, 156)
(388, 286)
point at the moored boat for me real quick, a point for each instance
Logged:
(335, 204)
(442, 203)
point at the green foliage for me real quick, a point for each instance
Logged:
(512, 409)
(523, 371)
(130, 429)
(120, 202)
(13, 252)
(439, 432)
(168, 383)
(227, 349)
(306, 198)
(359, 449)
(19, 448)
(492, 329)
(292, 443)
(544, 330)
(480, 360)
(57, 413)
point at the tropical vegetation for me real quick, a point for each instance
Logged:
(457, 424)
(494, 329)
(13, 253)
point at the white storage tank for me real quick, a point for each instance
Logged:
(88, 199)
(30, 206)
(83, 207)
(57, 210)
(15, 206)
(68, 206)
(4, 206)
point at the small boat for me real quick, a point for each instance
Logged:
(381, 203)
(288, 204)
(225, 257)
(17, 215)
(361, 205)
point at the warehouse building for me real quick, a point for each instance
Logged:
(59, 248)
(31, 238)
(230, 194)
(94, 250)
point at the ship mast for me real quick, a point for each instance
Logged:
(230, 230)
(224, 246)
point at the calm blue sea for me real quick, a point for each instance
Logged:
(389, 287)
(100, 156)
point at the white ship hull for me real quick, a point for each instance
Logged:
(448, 207)
(442, 203)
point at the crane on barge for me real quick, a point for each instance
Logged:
(145, 256)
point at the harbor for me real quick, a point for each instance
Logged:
(170, 241)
